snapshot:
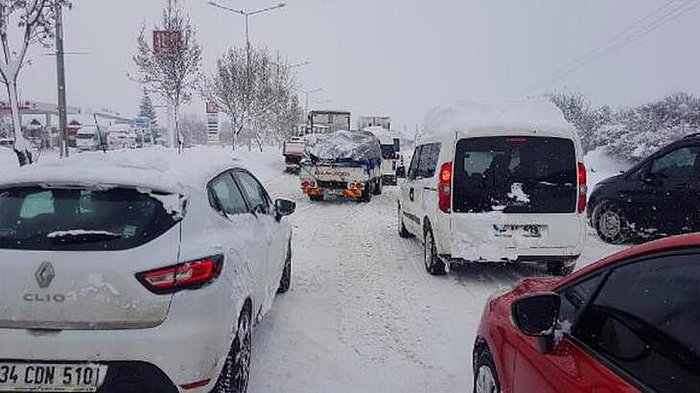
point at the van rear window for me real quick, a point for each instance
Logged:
(36, 218)
(515, 175)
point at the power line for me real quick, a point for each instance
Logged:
(613, 44)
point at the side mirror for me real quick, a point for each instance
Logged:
(537, 316)
(401, 172)
(284, 207)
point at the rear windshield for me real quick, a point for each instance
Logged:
(35, 218)
(85, 136)
(515, 175)
(389, 152)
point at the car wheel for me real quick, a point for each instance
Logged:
(433, 264)
(403, 232)
(286, 280)
(561, 270)
(611, 224)
(485, 376)
(236, 371)
(367, 193)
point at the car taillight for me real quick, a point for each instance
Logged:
(188, 275)
(582, 187)
(445, 188)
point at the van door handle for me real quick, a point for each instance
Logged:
(411, 194)
(682, 186)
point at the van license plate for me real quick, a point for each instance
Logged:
(533, 231)
(45, 377)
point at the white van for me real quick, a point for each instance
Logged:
(391, 153)
(509, 186)
(122, 136)
(87, 138)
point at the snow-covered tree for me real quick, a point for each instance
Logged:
(259, 98)
(587, 119)
(23, 23)
(171, 68)
(641, 131)
(147, 110)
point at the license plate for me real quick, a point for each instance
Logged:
(46, 377)
(528, 231)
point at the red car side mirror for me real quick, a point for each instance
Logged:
(537, 316)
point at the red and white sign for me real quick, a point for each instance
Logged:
(163, 40)
(212, 108)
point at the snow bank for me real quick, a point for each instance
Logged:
(344, 145)
(536, 113)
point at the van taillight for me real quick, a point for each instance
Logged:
(445, 188)
(582, 187)
(188, 275)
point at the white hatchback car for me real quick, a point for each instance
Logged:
(136, 271)
(498, 182)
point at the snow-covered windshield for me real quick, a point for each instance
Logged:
(36, 218)
(515, 175)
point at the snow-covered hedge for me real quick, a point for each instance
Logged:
(632, 134)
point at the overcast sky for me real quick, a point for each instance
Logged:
(393, 57)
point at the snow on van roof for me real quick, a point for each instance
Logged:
(155, 168)
(462, 116)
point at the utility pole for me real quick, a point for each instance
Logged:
(61, 71)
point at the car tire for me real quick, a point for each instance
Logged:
(611, 224)
(433, 264)
(485, 375)
(403, 232)
(561, 270)
(367, 193)
(236, 371)
(286, 280)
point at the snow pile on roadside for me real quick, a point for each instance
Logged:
(536, 113)
(343, 145)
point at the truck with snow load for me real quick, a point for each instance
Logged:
(342, 164)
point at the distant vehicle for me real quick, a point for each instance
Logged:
(333, 120)
(374, 121)
(87, 138)
(143, 139)
(121, 136)
(342, 164)
(392, 160)
(7, 143)
(293, 152)
(657, 197)
(628, 323)
(146, 277)
(497, 190)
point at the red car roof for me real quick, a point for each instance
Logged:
(667, 244)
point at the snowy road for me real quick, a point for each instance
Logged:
(362, 314)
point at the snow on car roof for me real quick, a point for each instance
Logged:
(156, 168)
(525, 114)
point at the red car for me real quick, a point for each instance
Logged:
(628, 323)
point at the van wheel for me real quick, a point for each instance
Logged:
(236, 371)
(433, 264)
(403, 232)
(485, 375)
(611, 224)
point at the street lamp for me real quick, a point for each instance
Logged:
(307, 92)
(247, 14)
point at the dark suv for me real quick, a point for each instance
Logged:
(656, 198)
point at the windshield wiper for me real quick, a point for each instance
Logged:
(79, 236)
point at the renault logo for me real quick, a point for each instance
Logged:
(45, 275)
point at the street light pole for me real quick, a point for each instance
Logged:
(61, 75)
